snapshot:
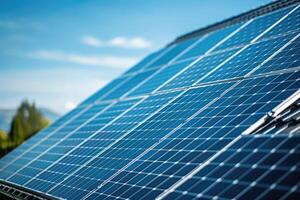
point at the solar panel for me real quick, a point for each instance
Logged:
(213, 115)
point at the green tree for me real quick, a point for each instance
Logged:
(27, 121)
(3, 135)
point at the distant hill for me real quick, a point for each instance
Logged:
(6, 116)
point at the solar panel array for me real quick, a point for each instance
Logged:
(172, 126)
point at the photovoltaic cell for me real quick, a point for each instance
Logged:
(254, 29)
(143, 64)
(129, 84)
(253, 168)
(105, 90)
(51, 149)
(208, 42)
(241, 64)
(198, 70)
(173, 51)
(200, 138)
(287, 25)
(160, 78)
(286, 59)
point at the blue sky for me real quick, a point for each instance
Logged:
(57, 53)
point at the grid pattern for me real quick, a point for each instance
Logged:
(198, 70)
(248, 59)
(200, 138)
(50, 149)
(171, 127)
(254, 29)
(289, 24)
(209, 41)
(288, 58)
(144, 63)
(254, 167)
(160, 78)
(95, 152)
(173, 51)
(128, 85)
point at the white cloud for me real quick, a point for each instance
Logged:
(91, 41)
(121, 42)
(134, 43)
(107, 61)
(70, 105)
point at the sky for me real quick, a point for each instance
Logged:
(57, 53)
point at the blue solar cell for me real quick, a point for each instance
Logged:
(208, 41)
(100, 142)
(254, 29)
(288, 58)
(241, 177)
(129, 84)
(172, 51)
(159, 78)
(200, 138)
(198, 70)
(288, 25)
(105, 90)
(144, 63)
(241, 64)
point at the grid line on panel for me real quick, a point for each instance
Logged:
(161, 68)
(200, 167)
(124, 135)
(255, 28)
(275, 24)
(87, 121)
(195, 171)
(273, 55)
(235, 54)
(290, 24)
(247, 45)
(251, 162)
(48, 135)
(242, 66)
(162, 139)
(162, 97)
(287, 59)
(86, 139)
(201, 57)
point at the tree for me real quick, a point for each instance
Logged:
(26, 122)
(3, 135)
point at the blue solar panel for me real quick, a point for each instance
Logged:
(198, 70)
(254, 28)
(209, 41)
(200, 137)
(144, 63)
(288, 25)
(182, 123)
(172, 51)
(243, 63)
(260, 167)
(105, 90)
(129, 84)
(286, 59)
(159, 78)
